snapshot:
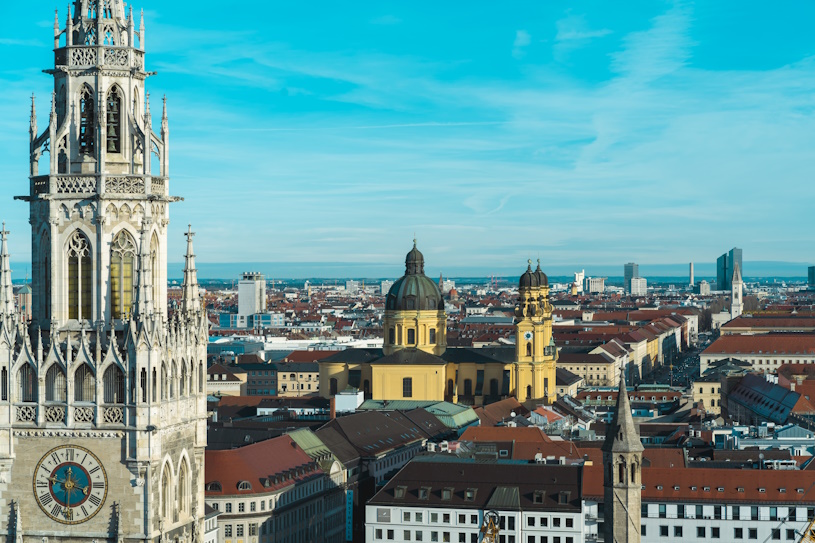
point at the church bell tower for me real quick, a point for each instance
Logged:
(535, 351)
(103, 393)
(622, 479)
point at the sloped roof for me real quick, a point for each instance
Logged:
(251, 464)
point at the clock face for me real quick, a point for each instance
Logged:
(70, 484)
(528, 336)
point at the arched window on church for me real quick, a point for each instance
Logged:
(165, 385)
(114, 382)
(122, 265)
(633, 473)
(4, 384)
(44, 298)
(183, 490)
(528, 349)
(528, 392)
(182, 389)
(166, 497)
(154, 385)
(55, 385)
(87, 121)
(84, 384)
(173, 381)
(61, 105)
(80, 274)
(154, 267)
(114, 120)
(143, 384)
(621, 471)
(200, 378)
(26, 384)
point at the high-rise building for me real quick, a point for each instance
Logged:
(579, 279)
(251, 294)
(692, 281)
(630, 271)
(595, 285)
(103, 397)
(639, 286)
(811, 277)
(724, 268)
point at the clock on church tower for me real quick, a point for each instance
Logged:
(102, 394)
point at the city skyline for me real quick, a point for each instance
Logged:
(491, 136)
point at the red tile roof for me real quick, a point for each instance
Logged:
(784, 344)
(308, 356)
(267, 466)
(737, 486)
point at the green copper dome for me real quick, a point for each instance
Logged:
(414, 291)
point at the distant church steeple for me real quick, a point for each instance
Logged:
(622, 479)
(736, 293)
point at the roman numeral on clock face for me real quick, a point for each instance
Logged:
(84, 511)
(98, 484)
(94, 470)
(55, 511)
(45, 499)
(94, 499)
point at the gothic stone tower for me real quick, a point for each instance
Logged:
(736, 293)
(102, 395)
(622, 461)
(535, 351)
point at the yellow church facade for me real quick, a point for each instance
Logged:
(416, 364)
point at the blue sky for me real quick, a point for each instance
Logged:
(586, 132)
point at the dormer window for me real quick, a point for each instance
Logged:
(447, 494)
(214, 486)
(469, 494)
(424, 493)
(244, 485)
(399, 492)
(537, 497)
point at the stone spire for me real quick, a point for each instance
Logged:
(144, 290)
(736, 273)
(190, 297)
(6, 290)
(622, 434)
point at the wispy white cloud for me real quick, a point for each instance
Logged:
(522, 41)
(572, 33)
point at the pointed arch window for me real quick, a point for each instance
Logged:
(143, 383)
(55, 386)
(122, 264)
(114, 120)
(173, 381)
(4, 384)
(154, 267)
(200, 378)
(61, 105)
(84, 384)
(153, 385)
(164, 384)
(44, 297)
(79, 277)
(166, 481)
(114, 381)
(183, 386)
(26, 384)
(87, 123)
(183, 494)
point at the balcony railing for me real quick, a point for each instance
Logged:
(99, 184)
(82, 56)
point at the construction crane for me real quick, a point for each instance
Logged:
(808, 535)
(490, 528)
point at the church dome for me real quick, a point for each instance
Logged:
(414, 291)
(543, 280)
(529, 279)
